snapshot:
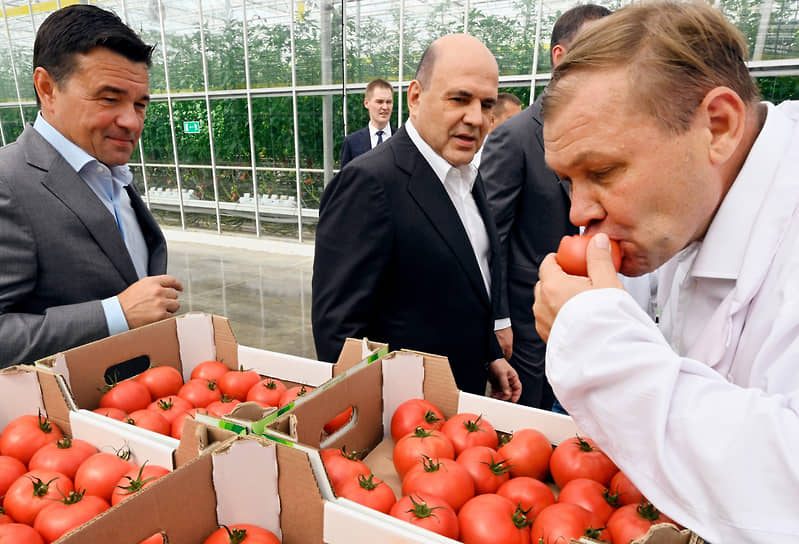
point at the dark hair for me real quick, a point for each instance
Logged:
(503, 100)
(78, 29)
(378, 84)
(674, 53)
(568, 24)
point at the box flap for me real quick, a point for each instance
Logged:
(285, 367)
(403, 379)
(196, 438)
(356, 351)
(195, 332)
(20, 394)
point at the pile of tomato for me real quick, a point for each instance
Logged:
(462, 480)
(51, 483)
(159, 400)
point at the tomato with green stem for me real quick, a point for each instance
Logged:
(622, 486)
(209, 370)
(100, 473)
(223, 406)
(23, 436)
(564, 521)
(177, 423)
(161, 381)
(114, 413)
(466, 430)
(490, 518)
(170, 406)
(242, 533)
(32, 492)
(200, 392)
(531, 495)
(428, 512)
(414, 447)
(415, 413)
(64, 456)
(591, 495)
(528, 452)
(486, 467)
(369, 491)
(632, 521)
(71, 511)
(342, 466)
(5, 518)
(293, 393)
(266, 392)
(150, 420)
(135, 480)
(236, 383)
(580, 457)
(440, 477)
(127, 395)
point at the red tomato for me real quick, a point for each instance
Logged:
(11, 468)
(177, 424)
(242, 533)
(150, 420)
(621, 485)
(528, 452)
(62, 516)
(571, 254)
(136, 480)
(209, 370)
(64, 456)
(170, 407)
(369, 491)
(223, 406)
(19, 533)
(632, 521)
(161, 381)
(413, 448)
(563, 521)
(5, 518)
(466, 430)
(26, 434)
(530, 494)
(443, 478)
(580, 458)
(489, 519)
(127, 395)
(100, 473)
(267, 392)
(592, 496)
(342, 467)
(157, 538)
(200, 392)
(237, 383)
(486, 467)
(113, 413)
(33, 491)
(428, 512)
(293, 393)
(415, 413)
(339, 421)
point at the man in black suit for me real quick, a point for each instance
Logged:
(531, 208)
(379, 102)
(82, 256)
(405, 245)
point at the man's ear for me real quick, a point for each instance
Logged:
(725, 116)
(414, 94)
(45, 86)
(366, 102)
(557, 53)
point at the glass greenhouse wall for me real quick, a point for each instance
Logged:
(251, 99)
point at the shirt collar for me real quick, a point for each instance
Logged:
(386, 129)
(75, 156)
(439, 164)
(721, 254)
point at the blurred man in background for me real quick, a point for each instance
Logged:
(379, 102)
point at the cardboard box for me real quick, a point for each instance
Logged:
(375, 390)
(240, 480)
(182, 342)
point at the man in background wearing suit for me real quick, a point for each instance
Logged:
(82, 256)
(405, 245)
(506, 107)
(379, 102)
(531, 208)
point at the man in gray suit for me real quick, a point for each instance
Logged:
(82, 257)
(531, 208)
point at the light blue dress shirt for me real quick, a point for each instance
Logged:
(109, 186)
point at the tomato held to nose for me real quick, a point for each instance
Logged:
(571, 254)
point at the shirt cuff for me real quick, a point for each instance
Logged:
(500, 324)
(114, 316)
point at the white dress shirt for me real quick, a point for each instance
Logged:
(459, 181)
(107, 184)
(703, 412)
(373, 133)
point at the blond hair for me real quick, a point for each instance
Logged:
(674, 54)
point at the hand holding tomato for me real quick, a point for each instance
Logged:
(555, 287)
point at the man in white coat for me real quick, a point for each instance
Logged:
(655, 120)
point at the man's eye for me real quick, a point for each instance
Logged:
(601, 174)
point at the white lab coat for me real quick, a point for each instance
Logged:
(703, 412)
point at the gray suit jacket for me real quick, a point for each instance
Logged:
(60, 253)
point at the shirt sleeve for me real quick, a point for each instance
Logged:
(114, 316)
(715, 457)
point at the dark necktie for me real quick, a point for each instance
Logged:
(379, 137)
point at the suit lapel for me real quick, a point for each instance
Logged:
(429, 194)
(535, 111)
(65, 184)
(156, 244)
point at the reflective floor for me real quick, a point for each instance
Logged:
(266, 296)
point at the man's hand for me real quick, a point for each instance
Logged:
(555, 287)
(505, 384)
(150, 299)
(505, 339)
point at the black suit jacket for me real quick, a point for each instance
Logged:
(357, 143)
(61, 253)
(531, 208)
(393, 263)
